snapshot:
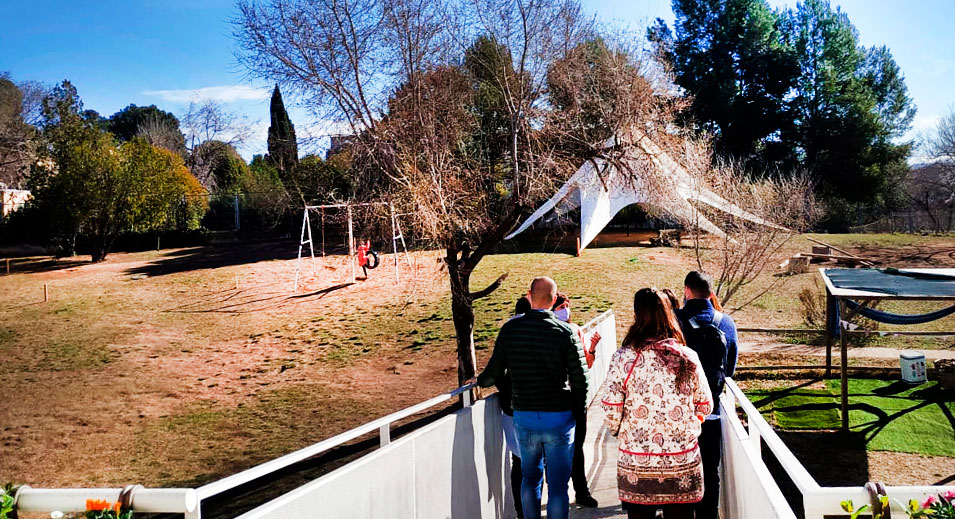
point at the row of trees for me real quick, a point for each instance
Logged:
(144, 169)
(88, 181)
(793, 89)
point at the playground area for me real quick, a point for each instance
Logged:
(178, 367)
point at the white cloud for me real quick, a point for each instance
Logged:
(925, 123)
(225, 94)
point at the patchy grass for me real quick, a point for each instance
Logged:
(168, 369)
(278, 423)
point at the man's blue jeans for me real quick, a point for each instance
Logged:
(545, 436)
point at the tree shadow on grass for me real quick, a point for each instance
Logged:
(782, 393)
(38, 264)
(836, 458)
(199, 258)
(236, 301)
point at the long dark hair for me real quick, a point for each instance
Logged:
(654, 320)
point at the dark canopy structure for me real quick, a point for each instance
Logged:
(851, 291)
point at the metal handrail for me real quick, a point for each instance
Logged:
(382, 425)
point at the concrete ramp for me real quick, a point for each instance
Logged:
(600, 455)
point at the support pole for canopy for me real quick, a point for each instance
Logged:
(829, 332)
(844, 376)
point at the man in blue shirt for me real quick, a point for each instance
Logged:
(712, 335)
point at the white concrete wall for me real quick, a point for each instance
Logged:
(453, 468)
(747, 489)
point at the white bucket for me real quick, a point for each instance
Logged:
(912, 364)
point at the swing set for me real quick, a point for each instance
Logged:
(358, 255)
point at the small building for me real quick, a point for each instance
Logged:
(337, 143)
(12, 199)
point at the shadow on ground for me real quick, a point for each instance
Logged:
(235, 301)
(199, 258)
(908, 255)
(39, 264)
(821, 452)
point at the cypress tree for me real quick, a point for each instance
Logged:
(283, 148)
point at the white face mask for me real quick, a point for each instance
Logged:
(563, 314)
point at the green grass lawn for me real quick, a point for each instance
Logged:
(891, 415)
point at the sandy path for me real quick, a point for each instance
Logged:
(873, 352)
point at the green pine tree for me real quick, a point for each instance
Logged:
(283, 147)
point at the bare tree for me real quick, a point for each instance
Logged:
(161, 133)
(210, 128)
(209, 120)
(451, 107)
(20, 107)
(785, 204)
(931, 188)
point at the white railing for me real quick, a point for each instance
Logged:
(382, 425)
(147, 500)
(606, 325)
(453, 467)
(187, 501)
(818, 501)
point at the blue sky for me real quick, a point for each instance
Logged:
(166, 52)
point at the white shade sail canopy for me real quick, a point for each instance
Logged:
(600, 190)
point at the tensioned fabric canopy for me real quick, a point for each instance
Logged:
(600, 190)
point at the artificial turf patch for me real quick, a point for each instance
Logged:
(798, 408)
(891, 416)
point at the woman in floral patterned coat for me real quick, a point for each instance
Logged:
(655, 397)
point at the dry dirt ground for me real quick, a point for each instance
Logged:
(180, 376)
(182, 366)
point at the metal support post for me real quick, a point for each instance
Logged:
(844, 376)
(830, 330)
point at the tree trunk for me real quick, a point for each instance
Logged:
(462, 314)
(98, 251)
(100, 247)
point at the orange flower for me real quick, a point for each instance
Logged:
(116, 507)
(97, 505)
